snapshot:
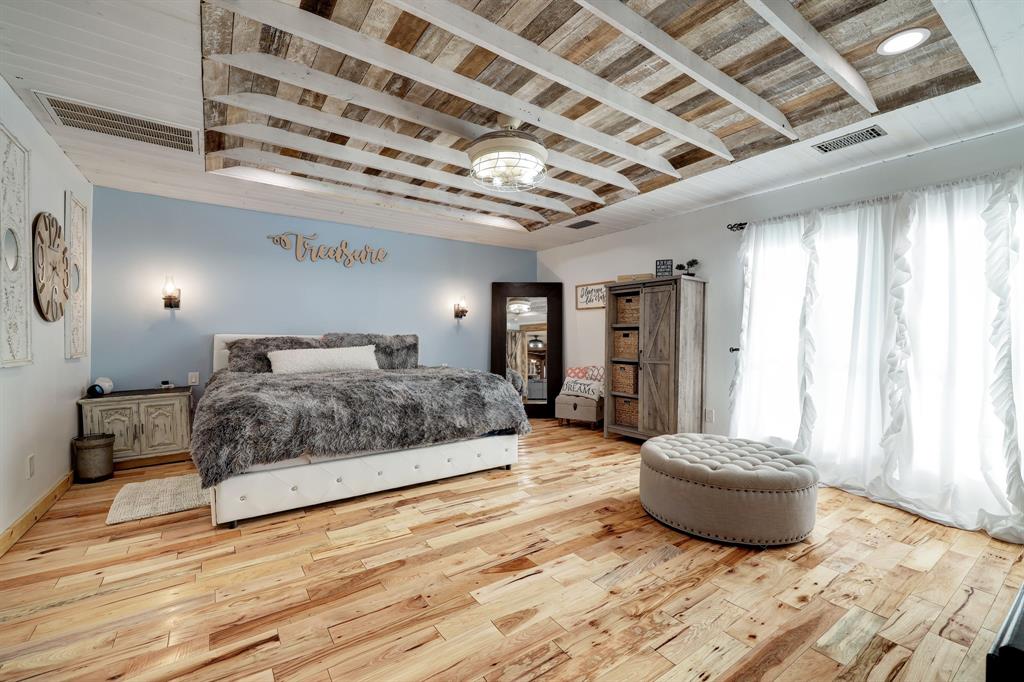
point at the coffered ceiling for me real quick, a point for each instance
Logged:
(360, 110)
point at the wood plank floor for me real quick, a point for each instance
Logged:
(549, 571)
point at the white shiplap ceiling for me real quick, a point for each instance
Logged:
(144, 58)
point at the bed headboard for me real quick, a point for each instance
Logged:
(220, 348)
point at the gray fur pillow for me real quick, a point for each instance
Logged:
(250, 355)
(393, 351)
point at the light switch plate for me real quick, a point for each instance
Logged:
(193, 378)
(30, 466)
(709, 415)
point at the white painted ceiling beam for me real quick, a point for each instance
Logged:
(788, 21)
(518, 50)
(631, 24)
(339, 152)
(273, 106)
(372, 182)
(366, 198)
(302, 76)
(342, 39)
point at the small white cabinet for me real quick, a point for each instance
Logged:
(144, 423)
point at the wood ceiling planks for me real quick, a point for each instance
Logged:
(728, 34)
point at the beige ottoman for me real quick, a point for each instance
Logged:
(728, 489)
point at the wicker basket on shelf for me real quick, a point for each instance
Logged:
(624, 378)
(626, 344)
(627, 309)
(626, 412)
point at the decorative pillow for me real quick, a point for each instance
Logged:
(589, 372)
(394, 351)
(322, 359)
(250, 355)
(583, 388)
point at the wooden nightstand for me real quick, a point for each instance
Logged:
(149, 425)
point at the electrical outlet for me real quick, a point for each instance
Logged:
(709, 415)
(30, 466)
(193, 378)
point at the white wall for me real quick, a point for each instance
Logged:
(37, 402)
(702, 235)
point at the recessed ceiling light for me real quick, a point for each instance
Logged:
(901, 42)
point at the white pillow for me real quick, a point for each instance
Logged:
(301, 360)
(583, 388)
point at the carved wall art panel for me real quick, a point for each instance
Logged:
(15, 254)
(76, 217)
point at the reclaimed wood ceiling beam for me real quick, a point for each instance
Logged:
(518, 50)
(365, 197)
(788, 21)
(309, 78)
(629, 23)
(372, 182)
(339, 152)
(290, 111)
(341, 39)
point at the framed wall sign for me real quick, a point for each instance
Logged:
(592, 296)
(663, 267)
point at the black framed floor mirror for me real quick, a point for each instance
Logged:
(526, 341)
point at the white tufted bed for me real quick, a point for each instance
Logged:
(307, 480)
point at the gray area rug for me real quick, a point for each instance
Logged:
(157, 497)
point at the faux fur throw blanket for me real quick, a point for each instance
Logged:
(245, 419)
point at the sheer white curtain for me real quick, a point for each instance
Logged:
(775, 270)
(905, 357)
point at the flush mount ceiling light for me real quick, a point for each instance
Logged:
(901, 42)
(518, 306)
(507, 160)
(535, 343)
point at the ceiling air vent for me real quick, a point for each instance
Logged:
(581, 224)
(75, 114)
(844, 141)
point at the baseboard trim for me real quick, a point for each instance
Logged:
(12, 534)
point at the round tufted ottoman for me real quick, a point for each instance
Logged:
(728, 489)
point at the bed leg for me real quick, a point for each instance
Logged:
(230, 524)
(508, 467)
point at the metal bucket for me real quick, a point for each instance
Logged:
(93, 457)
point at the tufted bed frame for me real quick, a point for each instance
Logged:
(307, 480)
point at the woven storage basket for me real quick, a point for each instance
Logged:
(624, 378)
(627, 309)
(626, 345)
(626, 412)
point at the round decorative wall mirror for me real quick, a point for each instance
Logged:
(50, 267)
(10, 249)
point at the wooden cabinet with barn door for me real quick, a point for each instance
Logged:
(655, 357)
(145, 423)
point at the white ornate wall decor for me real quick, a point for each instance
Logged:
(15, 254)
(76, 216)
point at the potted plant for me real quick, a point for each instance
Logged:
(688, 266)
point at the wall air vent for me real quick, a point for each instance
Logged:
(844, 141)
(76, 114)
(581, 224)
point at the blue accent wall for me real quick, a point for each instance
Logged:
(234, 280)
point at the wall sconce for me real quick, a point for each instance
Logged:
(461, 310)
(171, 294)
